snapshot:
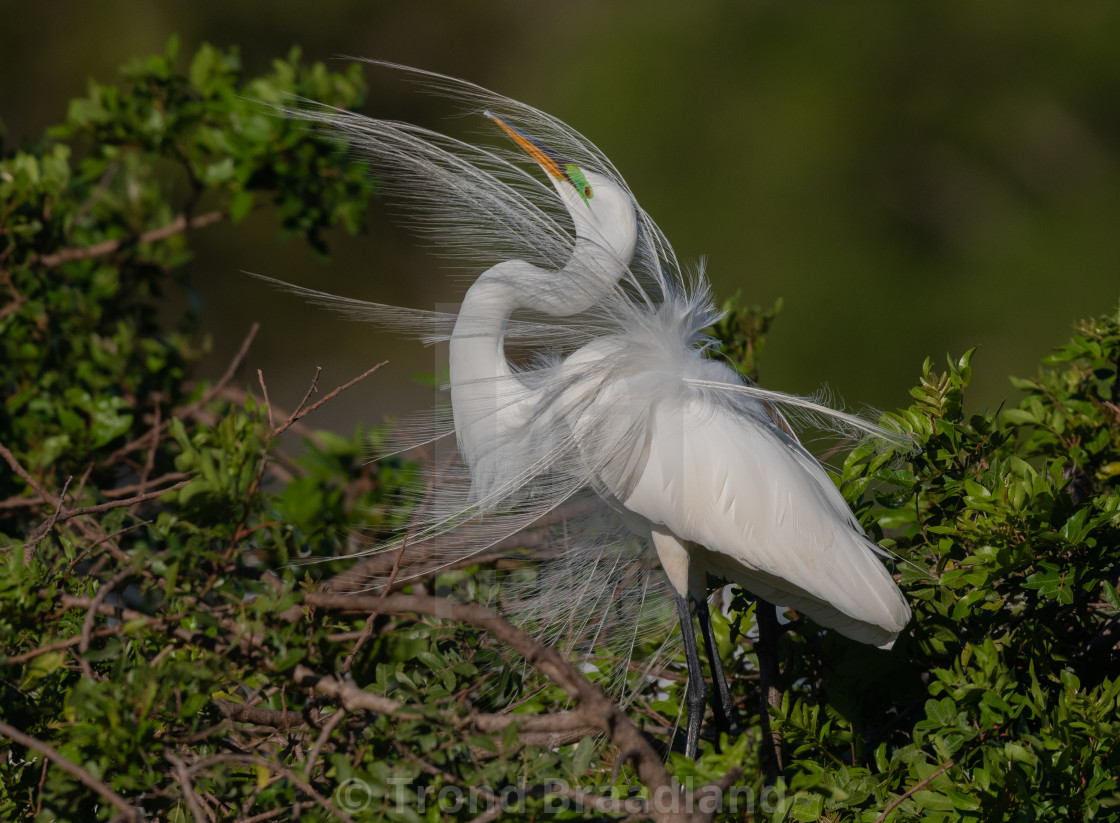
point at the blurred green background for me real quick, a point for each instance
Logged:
(913, 178)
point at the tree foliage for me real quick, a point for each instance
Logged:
(163, 655)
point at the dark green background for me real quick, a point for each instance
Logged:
(913, 178)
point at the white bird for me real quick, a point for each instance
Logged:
(617, 402)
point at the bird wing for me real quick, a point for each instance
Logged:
(765, 513)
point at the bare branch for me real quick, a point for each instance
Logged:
(277, 768)
(921, 784)
(301, 412)
(535, 730)
(45, 528)
(184, 778)
(275, 718)
(324, 734)
(87, 622)
(120, 504)
(133, 488)
(10, 458)
(267, 402)
(179, 224)
(184, 412)
(127, 812)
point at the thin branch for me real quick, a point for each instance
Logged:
(587, 800)
(63, 644)
(18, 501)
(275, 718)
(6, 278)
(534, 730)
(277, 768)
(368, 628)
(10, 458)
(192, 408)
(91, 612)
(150, 462)
(47, 525)
(320, 741)
(267, 402)
(350, 696)
(301, 412)
(119, 504)
(183, 776)
(129, 615)
(99, 190)
(231, 370)
(133, 488)
(176, 226)
(112, 547)
(921, 784)
(128, 812)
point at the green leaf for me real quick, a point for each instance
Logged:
(1110, 594)
(41, 666)
(240, 205)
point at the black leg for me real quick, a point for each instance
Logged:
(721, 700)
(769, 683)
(697, 690)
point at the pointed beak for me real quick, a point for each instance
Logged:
(549, 160)
(557, 167)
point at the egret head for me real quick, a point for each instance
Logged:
(601, 209)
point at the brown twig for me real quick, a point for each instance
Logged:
(99, 190)
(91, 612)
(324, 734)
(267, 402)
(275, 718)
(61, 644)
(108, 541)
(150, 462)
(277, 768)
(133, 488)
(127, 812)
(45, 528)
(186, 411)
(10, 458)
(534, 730)
(894, 804)
(118, 504)
(61, 516)
(367, 629)
(179, 224)
(302, 412)
(183, 776)
(587, 800)
(68, 601)
(6, 278)
(18, 501)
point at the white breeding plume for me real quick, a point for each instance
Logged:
(619, 415)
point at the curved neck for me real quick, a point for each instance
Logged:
(478, 340)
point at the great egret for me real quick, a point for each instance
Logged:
(617, 401)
